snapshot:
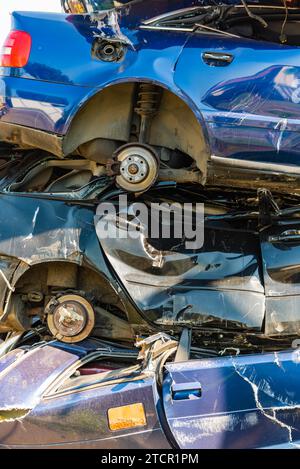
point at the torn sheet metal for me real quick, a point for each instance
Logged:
(217, 284)
(107, 27)
(241, 278)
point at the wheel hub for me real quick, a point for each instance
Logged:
(134, 169)
(70, 318)
(139, 167)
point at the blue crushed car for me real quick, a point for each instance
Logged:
(203, 92)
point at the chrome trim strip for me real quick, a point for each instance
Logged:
(259, 166)
(167, 28)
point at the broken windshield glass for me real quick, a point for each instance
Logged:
(278, 23)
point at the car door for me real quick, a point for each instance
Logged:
(248, 94)
(250, 401)
(280, 247)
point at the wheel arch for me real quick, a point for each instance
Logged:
(65, 273)
(106, 113)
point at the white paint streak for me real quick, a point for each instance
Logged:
(9, 286)
(30, 236)
(259, 406)
(281, 126)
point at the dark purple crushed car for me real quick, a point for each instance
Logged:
(102, 395)
(112, 341)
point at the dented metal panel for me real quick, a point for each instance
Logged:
(219, 283)
(23, 384)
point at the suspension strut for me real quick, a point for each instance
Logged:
(148, 101)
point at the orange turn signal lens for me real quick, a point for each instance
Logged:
(128, 416)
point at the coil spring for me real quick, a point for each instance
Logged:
(148, 100)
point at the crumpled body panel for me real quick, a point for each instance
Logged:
(238, 278)
(172, 285)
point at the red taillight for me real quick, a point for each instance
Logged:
(16, 50)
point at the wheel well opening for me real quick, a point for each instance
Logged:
(109, 120)
(45, 283)
(56, 276)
